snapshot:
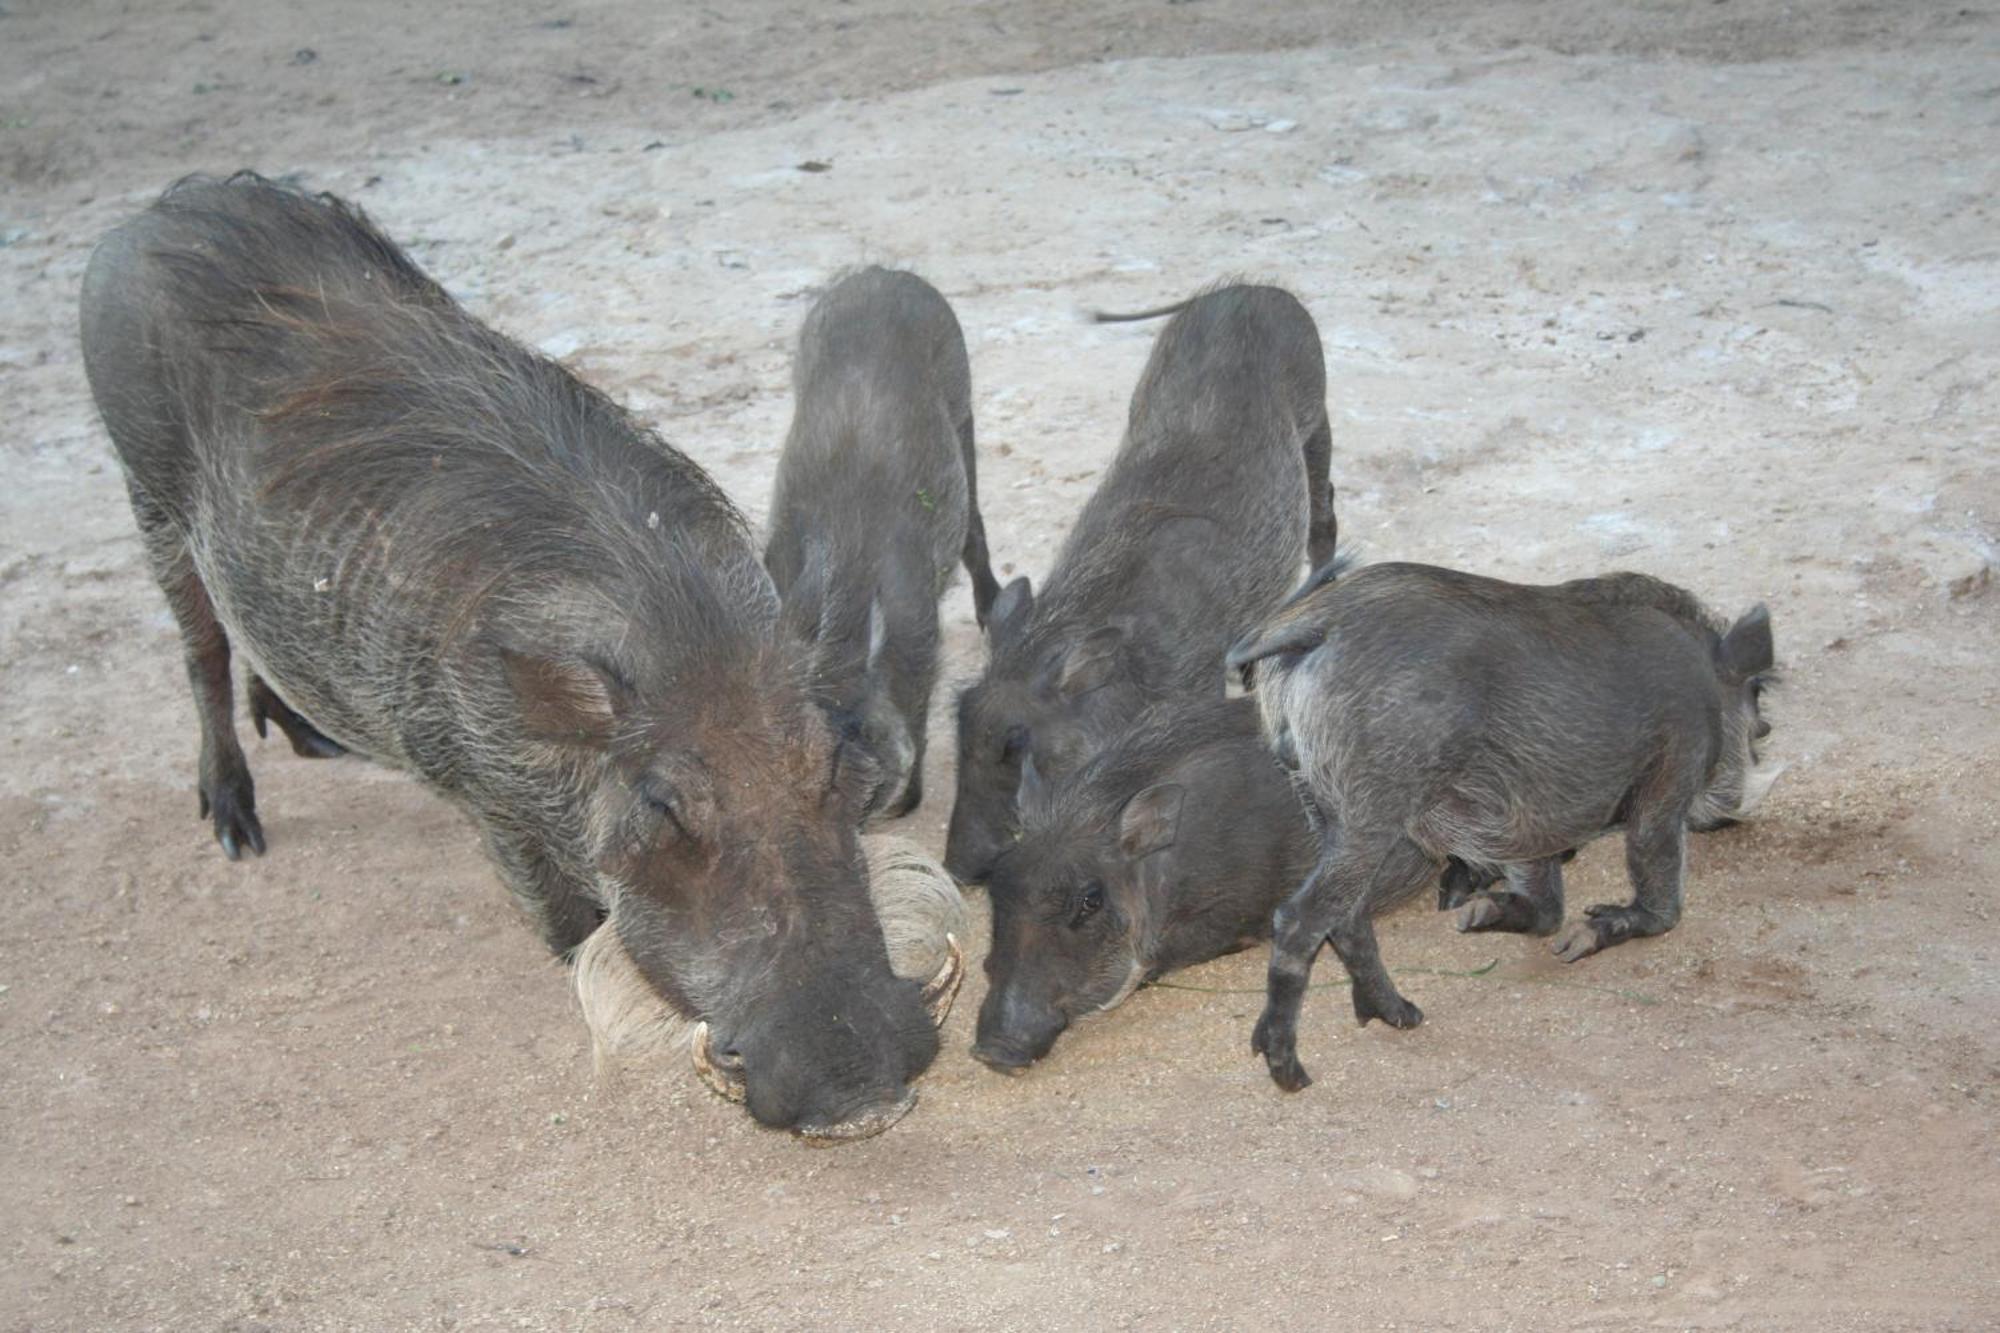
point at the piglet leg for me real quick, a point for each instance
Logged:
(1353, 880)
(1655, 856)
(1531, 904)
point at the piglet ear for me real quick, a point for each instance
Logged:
(563, 700)
(1008, 619)
(1747, 649)
(1150, 820)
(1091, 664)
(1033, 786)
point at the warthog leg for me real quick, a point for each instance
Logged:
(307, 740)
(228, 797)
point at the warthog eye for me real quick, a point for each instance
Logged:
(665, 801)
(1088, 904)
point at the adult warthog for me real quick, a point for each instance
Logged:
(440, 550)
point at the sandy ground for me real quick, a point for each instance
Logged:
(1708, 290)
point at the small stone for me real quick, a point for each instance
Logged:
(1659, 1279)
(1233, 122)
(998, 1233)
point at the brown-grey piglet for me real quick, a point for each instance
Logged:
(440, 550)
(876, 501)
(1433, 714)
(1170, 847)
(1199, 527)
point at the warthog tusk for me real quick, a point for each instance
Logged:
(942, 989)
(1757, 786)
(724, 1080)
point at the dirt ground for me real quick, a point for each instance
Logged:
(1708, 290)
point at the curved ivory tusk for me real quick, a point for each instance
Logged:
(719, 1082)
(942, 989)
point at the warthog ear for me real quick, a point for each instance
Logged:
(1150, 820)
(878, 632)
(1033, 787)
(1090, 664)
(1011, 610)
(806, 604)
(1746, 649)
(564, 701)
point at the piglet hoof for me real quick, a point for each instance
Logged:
(1392, 1009)
(1288, 1073)
(1276, 1041)
(1578, 942)
(232, 807)
(1480, 914)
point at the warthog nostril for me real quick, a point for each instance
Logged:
(861, 1125)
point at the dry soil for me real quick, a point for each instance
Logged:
(1708, 290)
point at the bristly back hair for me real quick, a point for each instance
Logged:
(1625, 588)
(379, 394)
(1163, 735)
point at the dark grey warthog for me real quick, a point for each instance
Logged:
(1433, 714)
(451, 556)
(1198, 529)
(876, 500)
(1170, 847)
